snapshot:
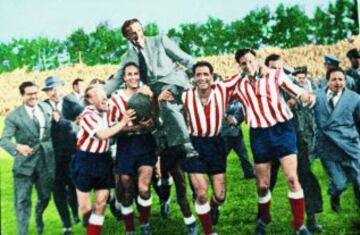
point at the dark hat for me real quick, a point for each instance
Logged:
(142, 106)
(51, 82)
(353, 53)
(331, 59)
(301, 69)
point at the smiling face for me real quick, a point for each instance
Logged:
(30, 96)
(132, 76)
(336, 82)
(249, 64)
(203, 78)
(135, 35)
(55, 94)
(97, 97)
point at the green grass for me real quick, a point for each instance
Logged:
(237, 214)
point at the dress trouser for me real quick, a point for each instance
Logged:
(43, 181)
(64, 190)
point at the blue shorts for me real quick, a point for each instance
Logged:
(92, 171)
(134, 151)
(212, 156)
(274, 142)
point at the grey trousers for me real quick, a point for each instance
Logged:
(173, 115)
(340, 172)
(23, 185)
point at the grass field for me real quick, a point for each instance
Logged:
(237, 215)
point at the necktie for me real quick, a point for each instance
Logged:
(36, 121)
(143, 68)
(331, 100)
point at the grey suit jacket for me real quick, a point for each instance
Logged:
(18, 124)
(336, 130)
(162, 58)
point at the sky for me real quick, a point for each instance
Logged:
(57, 19)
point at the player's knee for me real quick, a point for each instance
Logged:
(100, 202)
(84, 208)
(263, 189)
(144, 192)
(201, 196)
(220, 197)
(292, 180)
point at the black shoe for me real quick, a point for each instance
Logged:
(335, 203)
(215, 214)
(192, 229)
(303, 231)
(145, 229)
(260, 228)
(313, 225)
(76, 219)
(66, 231)
(165, 209)
(39, 223)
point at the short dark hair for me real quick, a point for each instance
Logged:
(203, 64)
(97, 81)
(333, 70)
(24, 85)
(128, 65)
(126, 25)
(241, 52)
(353, 53)
(77, 81)
(272, 57)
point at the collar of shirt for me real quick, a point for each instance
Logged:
(78, 96)
(32, 110)
(336, 96)
(57, 106)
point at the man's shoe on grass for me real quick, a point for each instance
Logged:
(260, 228)
(192, 229)
(335, 203)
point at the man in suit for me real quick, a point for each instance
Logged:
(64, 141)
(33, 153)
(331, 61)
(233, 137)
(73, 103)
(354, 71)
(158, 58)
(337, 141)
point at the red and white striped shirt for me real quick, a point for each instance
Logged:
(118, 106)
(262, 102)
(92, 121)
(206, 121)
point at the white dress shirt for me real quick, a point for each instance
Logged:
(39, 115)
(336, 96)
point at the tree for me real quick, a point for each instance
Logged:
(291, 27)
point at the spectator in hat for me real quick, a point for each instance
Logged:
(330, 62)
(64, 140)
(354, 71)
